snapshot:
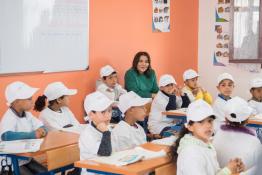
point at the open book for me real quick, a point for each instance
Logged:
(20, 146)
(169, 141)
(126, 157)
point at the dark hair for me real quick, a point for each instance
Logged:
(174, 147)
(136, 60)
(104, 77)
(40, 102)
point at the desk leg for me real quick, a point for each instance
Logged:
(15, 165)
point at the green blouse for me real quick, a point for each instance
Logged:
(141, 84)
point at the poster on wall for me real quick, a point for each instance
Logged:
(161, 16)
(222, 12)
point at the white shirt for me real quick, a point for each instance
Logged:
(89, 142)
(232, 144)
(57, 120)
(112, 93)
(186, 90)
(125, 136)
(219, 111)
(196, 158)
(156, 121)
(11, 122)
(257, 106)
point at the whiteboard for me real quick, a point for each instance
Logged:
(44, 35)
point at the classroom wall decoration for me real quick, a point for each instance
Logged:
(161, 16)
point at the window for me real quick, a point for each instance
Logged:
(246, 31)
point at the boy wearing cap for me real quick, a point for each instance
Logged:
(168, 98)
(57, 115)
(256, 101)
(225, 86)
(18, 123)
(127, 133)
(191, 88)
(110, 88)
(234, 139)
(95, 140)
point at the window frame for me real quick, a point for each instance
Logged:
(231, 41)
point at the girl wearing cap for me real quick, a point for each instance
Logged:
(57, 115)
(225, 86)
(234, 139)
(192, 89)
(168, 98)
(95, 140)
(110, 88)
(256, 91)
(18, 123)
(193, 150)
(141, 78)
(127, 133)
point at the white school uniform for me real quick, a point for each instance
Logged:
(125, 136)
(11, 122)
(196, 157)
(89, 142)
(219, 110)
(156, 121)
(57, 120)
(112, 93)
(229, 145)
(257, 106)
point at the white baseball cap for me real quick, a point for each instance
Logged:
(96, 101)
(198, 111)
(57, 89)
(237, 110)
(18, 90)
(224, 76)
(189, 74)
(106, 71)
(166, 79)
(256, 83)
(131, 99)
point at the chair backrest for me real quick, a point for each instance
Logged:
(60, 157)
(168, 169)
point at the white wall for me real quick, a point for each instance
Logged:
(206, 47)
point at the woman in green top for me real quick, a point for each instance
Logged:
(141, 78)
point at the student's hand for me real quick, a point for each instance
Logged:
(40, 132)
(153, 95)
(102, 127)
(195, 91)
(178, 91)
(236, 166)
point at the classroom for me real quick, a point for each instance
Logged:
(199, 38)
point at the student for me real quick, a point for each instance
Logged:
(225, 86)
(18, 123)
(193, 150)
(168, 98)
(110, 88)
(234, 139)
(127, 133)
(141, 78)
(57, 115)
(256, 101)
(95, 140)
(191, 88)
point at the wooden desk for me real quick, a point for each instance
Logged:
(138, 168)
(254, 123)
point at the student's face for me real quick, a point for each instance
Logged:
(23, 104)
(111, 80)
(192, 83)
(169, 89)
(202, 130)
(143, 64)
(63, 101)
(138, 112)
(226, 87)
(257, 93)
(102, 116)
